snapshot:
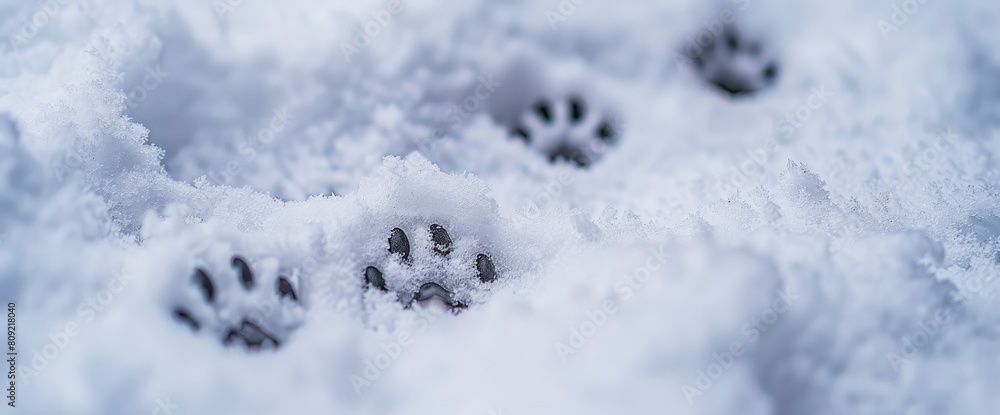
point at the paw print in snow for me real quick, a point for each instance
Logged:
(440, 277)
(567, 130)
(241, 310)
(736, 64)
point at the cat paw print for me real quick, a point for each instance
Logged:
(567, 130)
(440, 277)
(736, 63)
(241, 308)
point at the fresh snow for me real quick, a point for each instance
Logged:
(825, 246)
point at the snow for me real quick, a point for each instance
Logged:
(828, 245)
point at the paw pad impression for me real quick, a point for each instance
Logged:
(734, 62)
(431, 286)
(567, 130)
(260, 327)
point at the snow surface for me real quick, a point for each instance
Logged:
(853, 272)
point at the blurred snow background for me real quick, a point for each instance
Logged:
(722, 258)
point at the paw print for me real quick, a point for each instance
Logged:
(736, 63)
(567, 130)
(441, 277)
(242, 310)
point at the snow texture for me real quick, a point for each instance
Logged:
(827, 244)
